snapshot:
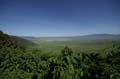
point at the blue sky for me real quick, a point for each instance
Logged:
(59, 17)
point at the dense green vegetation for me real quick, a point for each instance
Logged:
(19, 62)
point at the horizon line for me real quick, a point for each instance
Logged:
(61, 35)
(65, 35)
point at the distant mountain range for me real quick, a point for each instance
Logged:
(28, 40)
(85, 37)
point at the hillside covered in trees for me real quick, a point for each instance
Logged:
(17, 62)
(7, 40)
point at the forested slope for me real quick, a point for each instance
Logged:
(7, 40)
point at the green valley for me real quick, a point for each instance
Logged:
(22, 58)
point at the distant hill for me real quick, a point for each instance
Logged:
(85, 37)
(8, 41)
(23, 41)
(100, 37)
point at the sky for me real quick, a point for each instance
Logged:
(59, 17)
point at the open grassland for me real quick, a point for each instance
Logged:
(75, 45)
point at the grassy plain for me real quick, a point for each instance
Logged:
(75, 45)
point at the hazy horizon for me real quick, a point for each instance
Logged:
(51, 18)
(107, 34)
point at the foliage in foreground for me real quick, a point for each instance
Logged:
(16, 63)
